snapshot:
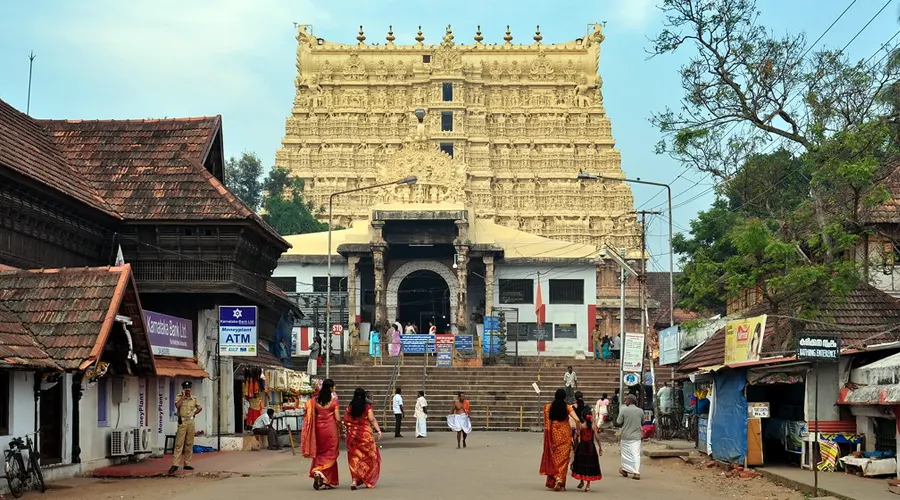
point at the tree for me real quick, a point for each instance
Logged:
(789, 218)
(285, 209)
(243, 177)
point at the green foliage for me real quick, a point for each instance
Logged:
(242, 177)
(285, 208)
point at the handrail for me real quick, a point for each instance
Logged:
(395, 375)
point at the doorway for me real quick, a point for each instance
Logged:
(51, 429)
(779, 434)
(424, 297)
(239, 417)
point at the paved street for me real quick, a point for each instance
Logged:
(498, 464)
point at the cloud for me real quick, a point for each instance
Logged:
(634, 14)
(178, 49)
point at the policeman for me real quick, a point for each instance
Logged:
(186, 407)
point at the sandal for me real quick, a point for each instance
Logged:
(581, 485)
(353, 486)
(587, 488)
(622, 471)
(636, 477)
(318, 480)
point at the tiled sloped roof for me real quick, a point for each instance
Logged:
(179, 367)
(18, 347)
(889, 211)
(26, 148)
(70, 311)
(658, 289)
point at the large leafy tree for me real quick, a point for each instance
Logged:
(284, 207)
(786, 220)
(243, 176)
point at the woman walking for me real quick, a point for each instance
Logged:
(557, 441)
(363, 456)
(320, 440)
(586, 466)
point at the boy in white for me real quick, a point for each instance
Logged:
(421, 415)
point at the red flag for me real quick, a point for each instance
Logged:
(539, 308)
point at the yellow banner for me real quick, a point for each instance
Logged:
(743, 339)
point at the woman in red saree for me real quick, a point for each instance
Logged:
(362, 451)
(557, 441)
(321, 437)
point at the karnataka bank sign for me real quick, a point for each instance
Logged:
(743, 339)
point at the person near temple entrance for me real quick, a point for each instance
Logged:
(630, 419)
(432, 330)
(459, 420)
(586, 464)
(314, 349)
(615, 345)
(395, 340)
(606, 348)
(421, 415)
(354, 339)
(397, 403)
(374, 343)
(186, 407)
(570, 381)
(410, 328)
(264, 426)
(597, 341)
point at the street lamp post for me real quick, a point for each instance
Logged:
(406, 180)
(586, 176)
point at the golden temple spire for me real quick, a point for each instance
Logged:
(390, 36)
(537, 35)
(419, 37)
(478, 37)
(362, 36)
(508, 37)
(448, 37)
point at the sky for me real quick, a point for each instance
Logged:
(101, 59)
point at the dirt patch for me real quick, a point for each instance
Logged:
(727, 484)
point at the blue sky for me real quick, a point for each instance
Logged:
(158, 58)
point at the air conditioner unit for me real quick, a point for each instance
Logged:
(121, 442)
(142, 440)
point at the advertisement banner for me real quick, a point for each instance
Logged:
(237, 330)
(169, 336)
(669, 346)
(743, 339)
(633, 352)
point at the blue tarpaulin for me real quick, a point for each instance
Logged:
(729, 417)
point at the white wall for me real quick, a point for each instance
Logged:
(95, 439)
(829, 386)
(555, 313)
(305, 273)
(21, 406)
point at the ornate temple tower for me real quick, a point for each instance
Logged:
(519, 120)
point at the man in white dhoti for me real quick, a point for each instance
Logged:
(421, 415)
(459, 420)
(630, 419)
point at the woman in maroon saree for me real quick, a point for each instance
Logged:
(363, 456)
(321, 437)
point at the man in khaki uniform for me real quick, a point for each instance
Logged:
(186, 407)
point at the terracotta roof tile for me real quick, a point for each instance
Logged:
(70, 311)
(179, 367)
(18, 346)
(889, 211)
(26, 148)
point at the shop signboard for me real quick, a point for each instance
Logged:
(169, 335)
(758, 410)
(566, 331)
(744, 339)
(818, 347)
(491, 324)
(464, 343)
(443, 339)
(237, 330)
(417, 343)
(669, 350)
(633, 352)
(445, 355)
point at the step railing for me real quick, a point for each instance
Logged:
(392, 386)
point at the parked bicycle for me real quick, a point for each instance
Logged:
(676, 425)
(18, 474)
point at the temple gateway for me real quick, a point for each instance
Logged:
(497, 222)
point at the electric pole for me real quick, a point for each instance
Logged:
(642, 284)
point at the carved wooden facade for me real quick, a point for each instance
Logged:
(520, 121)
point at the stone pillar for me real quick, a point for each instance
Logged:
(488, 284)
(380, 296)
(352, 292)
(462, 275)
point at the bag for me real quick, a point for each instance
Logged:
(319, 361)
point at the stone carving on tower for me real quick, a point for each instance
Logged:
(507, 128)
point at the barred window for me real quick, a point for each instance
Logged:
(338, 284)
(447, 121)
(287, 284)
(447, 91)
(566, 292)
(519, 291)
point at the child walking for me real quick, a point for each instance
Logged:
(586, 466)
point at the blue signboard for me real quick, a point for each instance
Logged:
(237, 330)
(669, 351)
(491, 324)
(464, 343)
(491, 344)
(416, 343)
(444, 355)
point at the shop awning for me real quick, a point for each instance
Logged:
(877, 383)
(179, 367)
(263, 359)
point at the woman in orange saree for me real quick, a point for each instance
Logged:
(362, 451)
(321, 437)
(557, 441)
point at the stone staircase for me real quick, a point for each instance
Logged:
(501, 396)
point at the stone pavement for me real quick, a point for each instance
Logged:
(836, 484)
(233, 462)
(502, 465)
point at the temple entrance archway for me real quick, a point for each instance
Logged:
(423, 284)
(423, 298)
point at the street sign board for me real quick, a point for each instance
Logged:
(337, 329)
(818, 347)
(633, 352)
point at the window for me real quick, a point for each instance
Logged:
(447, 147)
(103, 402)
(516, 291)
(447, 91)
(447, 121)
(566, 292)
(338, 284)
(885, 434)
(287, 284)
(4, 403)
(426, 58)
